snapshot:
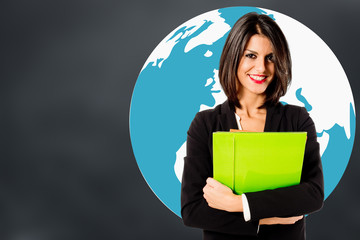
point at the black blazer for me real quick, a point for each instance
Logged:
(296, 200)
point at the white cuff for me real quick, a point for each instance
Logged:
(246, 209)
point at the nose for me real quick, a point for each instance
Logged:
(260, 65)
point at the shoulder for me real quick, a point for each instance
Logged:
(300, 118)
(209, 114)
(300, 115)
(295, 114)
(207, 121)
(293, 110)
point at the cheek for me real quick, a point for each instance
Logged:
(242, 71)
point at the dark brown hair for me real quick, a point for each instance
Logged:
(247, 26)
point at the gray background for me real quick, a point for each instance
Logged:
(68, 69)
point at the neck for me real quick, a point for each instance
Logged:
(250, 103)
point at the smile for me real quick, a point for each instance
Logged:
(259, 79)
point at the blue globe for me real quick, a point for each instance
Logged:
(180, 78)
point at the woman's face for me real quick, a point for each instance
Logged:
(256, 68)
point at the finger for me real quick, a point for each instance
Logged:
(208, 195)
(209, 192)
(212, 204)
(204, 189)
(210, 181)
(207, 198)
(213, 183)
(208, 184)
(204, 195)
(295, 219)
(207, 188)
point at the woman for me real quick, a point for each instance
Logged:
(255, 71)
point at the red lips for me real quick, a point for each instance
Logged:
(258, 76)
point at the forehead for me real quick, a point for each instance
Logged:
(260, 44)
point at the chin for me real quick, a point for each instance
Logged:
(259, 91)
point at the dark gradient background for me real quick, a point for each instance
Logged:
(68, 68)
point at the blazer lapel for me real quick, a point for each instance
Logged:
(273, 118)
(227, 117)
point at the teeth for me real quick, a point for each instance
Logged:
(258, 78)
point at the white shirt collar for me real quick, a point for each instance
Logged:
(238, 121)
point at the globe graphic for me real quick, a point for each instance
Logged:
(180, 78)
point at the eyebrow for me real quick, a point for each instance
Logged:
(254, 52)
(251, 51)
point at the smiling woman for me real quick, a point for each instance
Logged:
(256, 37)
(255, 71)
(256, 68)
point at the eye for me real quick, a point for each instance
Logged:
(270, 58)
(250, 55)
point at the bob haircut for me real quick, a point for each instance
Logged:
(247, 26)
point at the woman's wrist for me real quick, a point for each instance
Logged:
(235, 204)
(280, 220)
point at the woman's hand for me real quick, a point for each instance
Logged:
(278, 220)
(221, 197)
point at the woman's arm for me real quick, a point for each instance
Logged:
(221, 197)
(297, 200)
(195, 210)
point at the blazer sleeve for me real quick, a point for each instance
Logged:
(197, 168)
(297, 200)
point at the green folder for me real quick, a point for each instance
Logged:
(256, 161)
